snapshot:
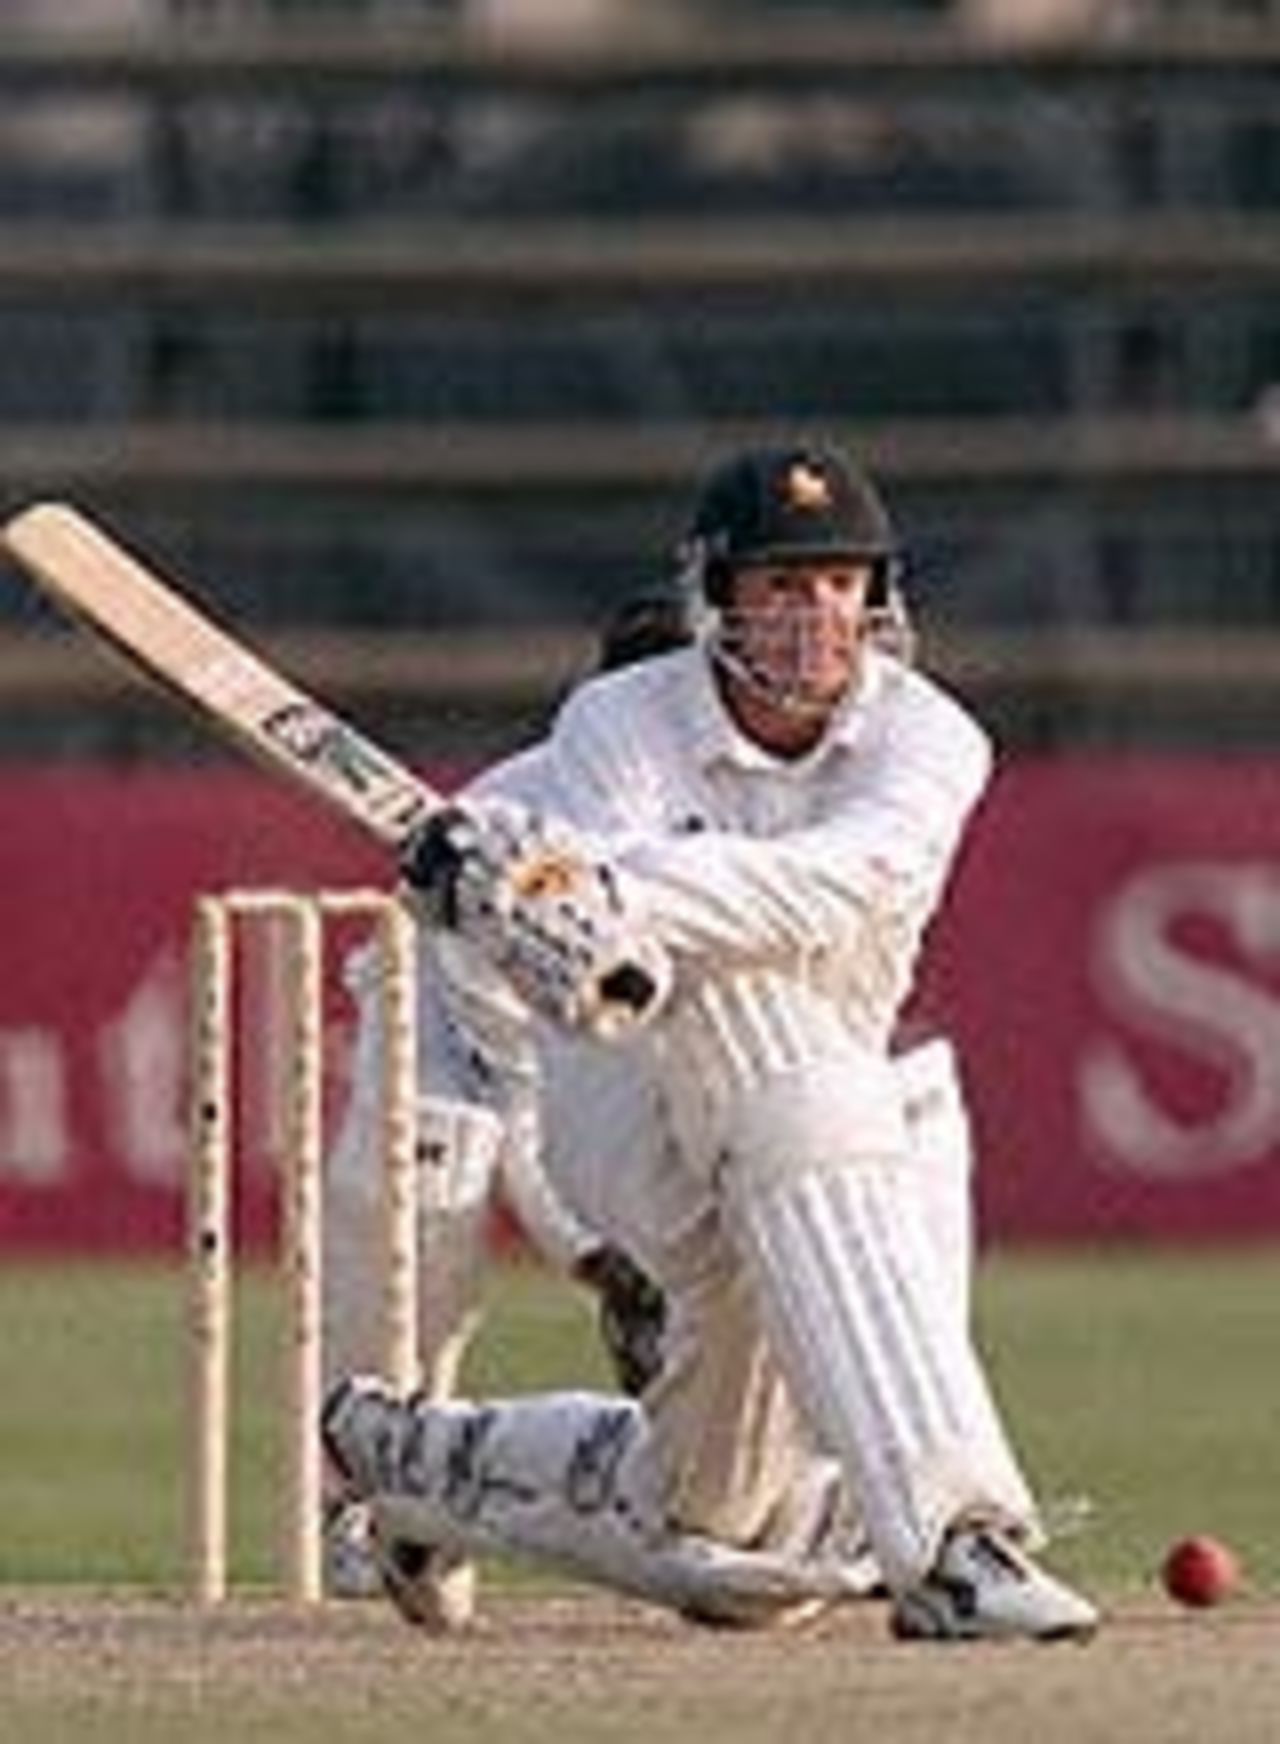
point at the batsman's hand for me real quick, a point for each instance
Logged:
(544, 908)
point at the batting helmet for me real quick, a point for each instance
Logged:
(789, 505)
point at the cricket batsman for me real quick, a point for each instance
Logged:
(771, 815)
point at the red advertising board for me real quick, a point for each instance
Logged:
(99, 873)
(1109, 966)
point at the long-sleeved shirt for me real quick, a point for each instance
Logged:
(793, 893)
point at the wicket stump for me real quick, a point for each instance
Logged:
(300, 921)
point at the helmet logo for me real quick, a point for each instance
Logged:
(804, 487)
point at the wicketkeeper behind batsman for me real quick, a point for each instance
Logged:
(777, 809)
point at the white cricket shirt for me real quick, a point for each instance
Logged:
(792, 893)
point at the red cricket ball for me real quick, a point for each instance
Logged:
(1200, 1571)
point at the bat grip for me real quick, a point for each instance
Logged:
(631, 986)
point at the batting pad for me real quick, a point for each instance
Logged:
(866, 1332)
(570, 1479)
(458, 1147)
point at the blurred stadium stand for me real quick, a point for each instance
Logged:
(404, 330)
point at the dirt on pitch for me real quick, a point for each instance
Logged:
(101, 1668)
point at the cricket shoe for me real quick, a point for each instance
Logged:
(432, 1586)
(350, 1561)
(983, 1587)
(365, 1428)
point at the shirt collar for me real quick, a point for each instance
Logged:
(713, 737)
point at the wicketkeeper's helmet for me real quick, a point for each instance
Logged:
(800, 504)
(654, 621)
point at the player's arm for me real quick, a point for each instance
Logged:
(881, 852)
(735, 899)
(545, 907)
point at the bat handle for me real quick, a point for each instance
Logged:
(630, 994)
(631, 986)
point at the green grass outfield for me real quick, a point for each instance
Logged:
(1145, 1382)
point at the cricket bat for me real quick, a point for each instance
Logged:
(102, 585)
(144, 617)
